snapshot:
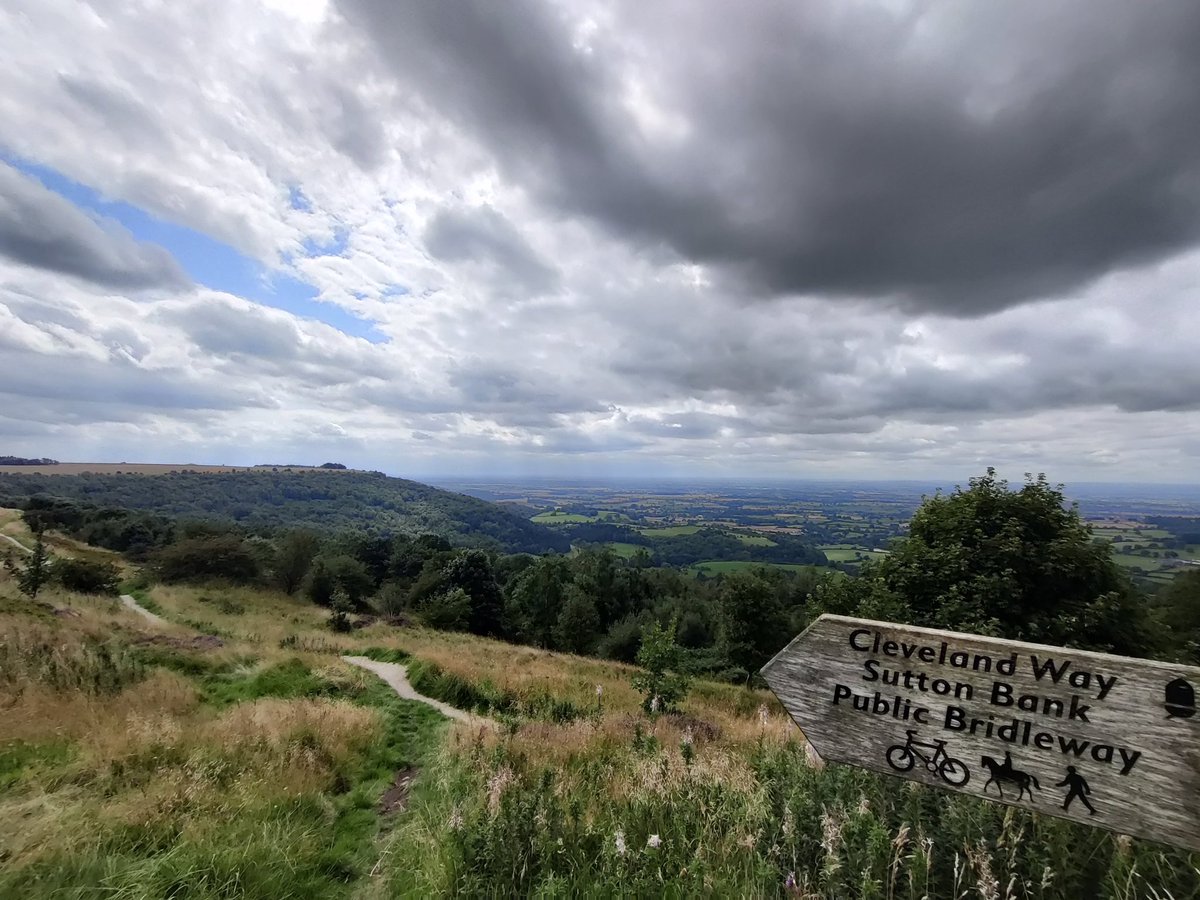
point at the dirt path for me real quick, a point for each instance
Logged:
(142, 611)
(396, 677)
(16, 543)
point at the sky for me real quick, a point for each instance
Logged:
(819, 239)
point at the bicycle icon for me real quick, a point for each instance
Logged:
(903, 757)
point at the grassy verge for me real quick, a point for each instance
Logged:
(147, 769)
(150, 763)
(633, 814)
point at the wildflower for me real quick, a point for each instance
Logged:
(789, 823)
(496, 785)
(686, 740)
(655, 704)
(864, 805)
(654, 842)
(764, 714)
(789, 883)
(986, 883)
(619, 841)
(456, 820)
(599, 691)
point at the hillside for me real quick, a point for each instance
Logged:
(329, 500)
(233, 752)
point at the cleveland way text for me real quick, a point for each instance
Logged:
(1087, 689)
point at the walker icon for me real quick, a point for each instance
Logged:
(1180, 700)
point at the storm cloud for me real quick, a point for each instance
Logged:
(484, 235)
(950, 159)
(834, 237)
(42, 229)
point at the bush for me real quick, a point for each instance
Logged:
(450, 611)
(85, 577)
(211, 556)
(623, 640)
(662, 684)
(341, 607)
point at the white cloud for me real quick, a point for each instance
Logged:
(523, 330)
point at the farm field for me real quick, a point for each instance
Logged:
(754, 540)
(562, 518)
(669, 530)
(725, 566)
(849, 553)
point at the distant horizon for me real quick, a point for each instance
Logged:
(607, 477)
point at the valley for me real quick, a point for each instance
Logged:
(254, 740)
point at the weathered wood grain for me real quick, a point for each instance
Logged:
(1141, 762)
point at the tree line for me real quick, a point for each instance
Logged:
(986, 559)
(262, 499)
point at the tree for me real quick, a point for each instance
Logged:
(1009, 563)
(349, 576)
(35, 572)
(471, 570)
(224, 556)
(662, 682)
(321, 583)
(86, 577)
(449, 611)
(1177, 608)
(578, 624)
(623, 640)
(755, 623)
(340, 607)
(293, 557)
(535, 599)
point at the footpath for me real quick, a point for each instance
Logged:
(396, 676)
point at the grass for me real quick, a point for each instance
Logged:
(1144, 563)
(159, 767)
(622, 805)
(754, 540)
(146, 769)
(670, 531)
(558, 517)
(848, 553)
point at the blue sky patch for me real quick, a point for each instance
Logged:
(212, 263)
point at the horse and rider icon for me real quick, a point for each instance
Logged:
(903, 757)
(1000, 772)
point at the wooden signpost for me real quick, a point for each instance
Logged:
(1100, 739)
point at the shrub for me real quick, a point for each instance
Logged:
(85, 577)
(34, 572)
(449, 611)
(662, 684)
(341, 607)
(212, 556)
(623, 640)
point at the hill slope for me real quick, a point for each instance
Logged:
(261, 498)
